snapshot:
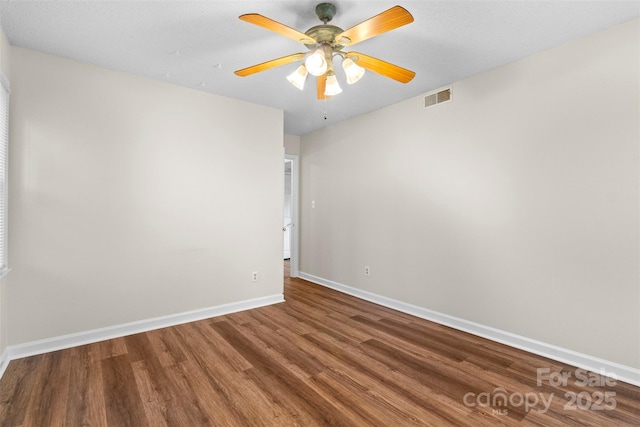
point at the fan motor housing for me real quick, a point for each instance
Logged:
(324, 34)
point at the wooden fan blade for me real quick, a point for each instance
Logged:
(270, 64)
(382, 67)
(388, 20)
(322, 84)
(276, 27)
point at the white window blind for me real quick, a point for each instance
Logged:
(4, 145)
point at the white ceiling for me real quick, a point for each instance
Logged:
(199, 44)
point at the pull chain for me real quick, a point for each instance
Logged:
(325, 107)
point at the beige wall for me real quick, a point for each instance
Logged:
(131, 198)
(292, 144)
(5, 68)
(5, 50)
(514, 206)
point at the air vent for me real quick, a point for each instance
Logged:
(443, 95)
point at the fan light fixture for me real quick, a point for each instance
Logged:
(316, 63)
(353, 71)
(298, 77)
(332, 87)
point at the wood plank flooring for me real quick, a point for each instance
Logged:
(322, 358)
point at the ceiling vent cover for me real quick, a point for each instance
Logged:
(438, 97)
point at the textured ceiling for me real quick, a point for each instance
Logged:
(199, 44)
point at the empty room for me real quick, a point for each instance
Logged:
(296, 213)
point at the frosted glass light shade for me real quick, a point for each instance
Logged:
(353, 71)
(332, 87)
(316, 63)
(298, 77)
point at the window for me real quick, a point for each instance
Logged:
(4, 151)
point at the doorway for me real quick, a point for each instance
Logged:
(290, 213)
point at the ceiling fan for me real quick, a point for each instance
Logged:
(328, 41)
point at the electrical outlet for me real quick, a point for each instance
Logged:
(367, 270)
(254, 276)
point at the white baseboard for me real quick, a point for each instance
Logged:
(617, 371)
(4, 361)
(87, 337)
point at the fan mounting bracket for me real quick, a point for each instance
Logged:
(325, 11)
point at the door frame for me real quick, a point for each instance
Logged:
(295, 217)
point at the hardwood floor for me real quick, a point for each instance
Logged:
(321, 358)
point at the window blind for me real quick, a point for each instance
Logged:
(4, 145)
